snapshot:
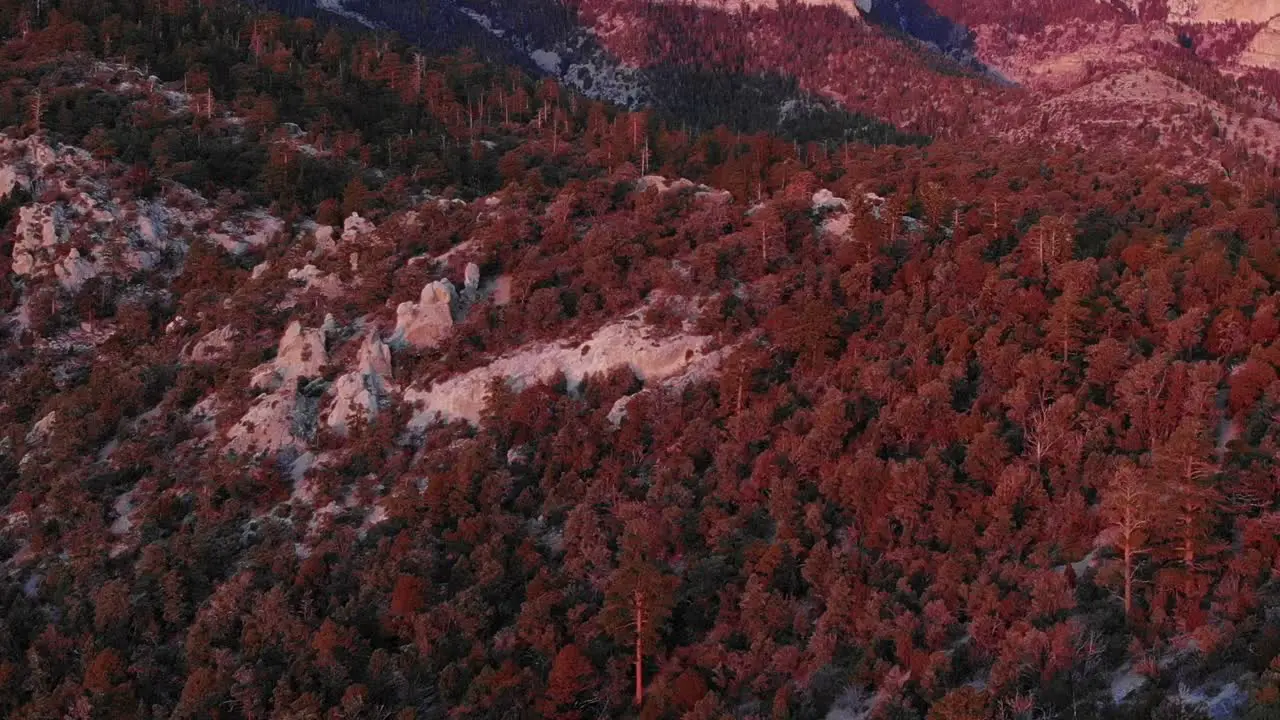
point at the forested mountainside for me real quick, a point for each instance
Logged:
(345, 380)
(1193, 84)
(545, 37)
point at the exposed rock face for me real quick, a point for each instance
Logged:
(621, 343)
(355, 226)
(301, 353)
(88, 232)
(1207, 11)
(37, 238)
(41, 429)
(325, 243)
(471, 278)
(213, 346)
(315, 279)
(824, 199)
(1264, 49)
(664, 186)
(73, 271)
(8, 181)
(364, 389)
(267, 427)
(281, 417)
(429, 321)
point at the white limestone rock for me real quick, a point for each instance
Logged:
(325, 243)
(315, 279)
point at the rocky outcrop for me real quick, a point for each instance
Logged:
(37, 238)
(285, 414)
(315, 279)
(73, 271)
(471, 281)
(824, 199)
(355, 227)
(1263, 50)
(426, 323)
(267, 427)
(623, 343)
(364, 390)
(213, 346)
(41, 430)
(1210, 11)
(301, 352)
(664, 186)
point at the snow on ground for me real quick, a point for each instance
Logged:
(577, 63)
(1227, 702)
(483, 21)
(547, 61)
(1124, 682)
(336, 7)
(847, 6)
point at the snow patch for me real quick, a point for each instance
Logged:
(546, 61)
(336, 7)
(1125, 682)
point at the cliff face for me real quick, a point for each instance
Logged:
(1263, 51)
(1211, 11)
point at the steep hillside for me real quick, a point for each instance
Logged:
(340, 379)
(547, 37)
(1014, 70)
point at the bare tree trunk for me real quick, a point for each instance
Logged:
(1128, 579)
(639, 602)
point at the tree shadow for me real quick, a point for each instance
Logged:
(917, 19)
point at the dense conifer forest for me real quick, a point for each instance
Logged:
(954, 427)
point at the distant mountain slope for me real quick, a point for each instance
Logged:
(547, 37)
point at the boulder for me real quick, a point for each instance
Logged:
(471, 278)
(268, 426)
(824, 199)
(301, 353)
(214, 345)
(355, 226)
(365, 389)
(325, 243)
(41, 429)
(73, 270)
(426, 323)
